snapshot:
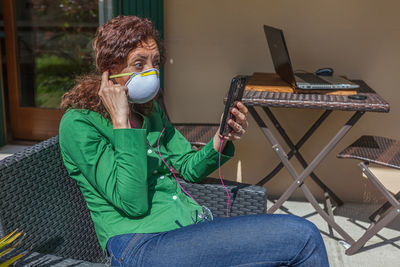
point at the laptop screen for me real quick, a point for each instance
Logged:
(279, 54)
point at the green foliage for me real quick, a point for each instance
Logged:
(54, 76)
(66, 10)
(62, 47)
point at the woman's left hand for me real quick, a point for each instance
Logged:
(239, 125)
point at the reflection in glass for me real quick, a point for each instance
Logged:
(54, 42)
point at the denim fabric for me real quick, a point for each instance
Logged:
(253, 240)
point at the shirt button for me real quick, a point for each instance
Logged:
(149, 151)
(162, 177)
(174, 197)
(155, 172)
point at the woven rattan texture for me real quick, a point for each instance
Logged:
(38, 196)
(245, 199)
(375, 149)
(197, 134)
(373, 102)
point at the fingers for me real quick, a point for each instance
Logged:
(238, 128)
(107, 85)
(242, 108)
(239, 116)
(240, 112)
(239, 124)
(104, 79)
(233, 136)
(114, 89)
(112, 95)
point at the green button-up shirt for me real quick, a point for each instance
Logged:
(127, 187)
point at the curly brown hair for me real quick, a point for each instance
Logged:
(112, 44)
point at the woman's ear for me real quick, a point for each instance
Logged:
(113, 80)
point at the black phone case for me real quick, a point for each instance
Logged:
(235, 94)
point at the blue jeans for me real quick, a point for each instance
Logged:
(253, 240)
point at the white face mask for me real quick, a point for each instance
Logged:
(142, 86)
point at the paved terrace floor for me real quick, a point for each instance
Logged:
(381, 250)
(8, 150)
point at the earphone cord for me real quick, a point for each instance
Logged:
(173, 173)
(163, 160)
(220, 177)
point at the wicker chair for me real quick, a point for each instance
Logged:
(37, 196)
(382, 151)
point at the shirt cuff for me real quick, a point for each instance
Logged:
(229, 150)
(226, 154)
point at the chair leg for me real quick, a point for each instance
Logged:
(377, 214)
(372, 231)
(376, 226)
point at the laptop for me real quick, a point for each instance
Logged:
(283, 67)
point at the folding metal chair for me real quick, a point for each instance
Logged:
(382, 151)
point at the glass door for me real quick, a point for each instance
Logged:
(48, 44)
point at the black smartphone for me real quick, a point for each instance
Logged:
(235, 93)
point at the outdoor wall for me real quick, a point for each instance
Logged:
(208, 42)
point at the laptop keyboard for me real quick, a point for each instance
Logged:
(311, 78)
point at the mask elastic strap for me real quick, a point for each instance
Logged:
(120, 75)
(143, 73)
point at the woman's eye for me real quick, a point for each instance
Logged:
(138, 65)
(156, 64)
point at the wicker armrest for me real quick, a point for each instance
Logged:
(245, 199)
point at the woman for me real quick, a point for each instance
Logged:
(117, 144)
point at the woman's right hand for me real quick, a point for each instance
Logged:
(115, 100)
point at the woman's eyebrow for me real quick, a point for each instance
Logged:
(139, 56)
(144, 57)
